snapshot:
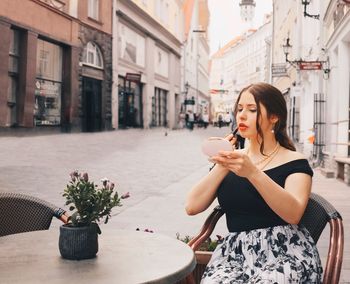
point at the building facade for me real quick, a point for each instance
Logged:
(284, 75)
(95, 64)
(195, 58)
(51, 49)
(311, 59)
(222, 88)
(244, 60)
(146, 63)
(335, 17)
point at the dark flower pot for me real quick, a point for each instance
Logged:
(78, 242)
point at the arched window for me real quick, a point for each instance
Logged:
(92, 55)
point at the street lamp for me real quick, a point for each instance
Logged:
(187, 86)
(186, 101)
(306, 14)
(286, 49)
(307, 64)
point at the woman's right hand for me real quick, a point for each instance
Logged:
(232, 138)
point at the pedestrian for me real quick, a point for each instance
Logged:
(227, 119)
(263, 190)
(182, 119)
(205, 118)
(220, 120)
(190, 122)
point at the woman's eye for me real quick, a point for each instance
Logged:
(239, 110)
(253, 110)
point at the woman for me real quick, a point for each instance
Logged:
(264, 190)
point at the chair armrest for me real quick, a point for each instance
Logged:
(207, 228)
(338, 257)
(335, 252)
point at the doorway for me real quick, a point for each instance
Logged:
(127, 111)
(92, 105)
(129, 104)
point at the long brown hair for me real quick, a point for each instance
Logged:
(272, 99)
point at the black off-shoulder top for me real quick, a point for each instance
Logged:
(244, 207)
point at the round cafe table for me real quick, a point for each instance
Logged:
(124, 257)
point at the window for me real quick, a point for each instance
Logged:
(58, 4)
(48, 85)
(92, 55)
(159, 108)
(49, 61)
(93, 9)
(161, 62)
(12, 91)
(294, 118)
(132, 45)
(14, 51)
(73, 8)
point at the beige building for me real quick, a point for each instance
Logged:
(146, 65)
(316, 80)
(335, 16)
(195, 57)
(284, 75)
(244, 60)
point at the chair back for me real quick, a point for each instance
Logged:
(23, 213)
(317, 214)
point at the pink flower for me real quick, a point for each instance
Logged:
(104, 181)
(85, 177)
(74, 175)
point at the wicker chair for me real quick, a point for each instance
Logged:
(318, 213)
(23, 213)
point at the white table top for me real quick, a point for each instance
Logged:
(124, 257)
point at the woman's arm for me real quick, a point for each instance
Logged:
(204, 192)
(288, 203)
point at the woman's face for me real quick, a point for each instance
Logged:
(247, 116)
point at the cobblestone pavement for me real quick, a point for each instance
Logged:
(143, 162)
(157, 170)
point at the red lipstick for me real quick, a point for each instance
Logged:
(242, 126)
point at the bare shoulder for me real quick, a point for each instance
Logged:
(289, 155)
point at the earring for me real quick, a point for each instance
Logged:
(272, 130)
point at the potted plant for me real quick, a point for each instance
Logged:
(203, 254)
(90, 204)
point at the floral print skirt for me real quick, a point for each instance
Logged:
(280, 254)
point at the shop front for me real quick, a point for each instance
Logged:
(130, 101)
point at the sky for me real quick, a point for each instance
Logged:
(225, 20)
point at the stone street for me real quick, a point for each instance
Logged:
(157, 169)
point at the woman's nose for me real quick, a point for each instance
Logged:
(242, 114)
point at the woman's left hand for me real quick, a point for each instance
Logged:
(237, 162)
